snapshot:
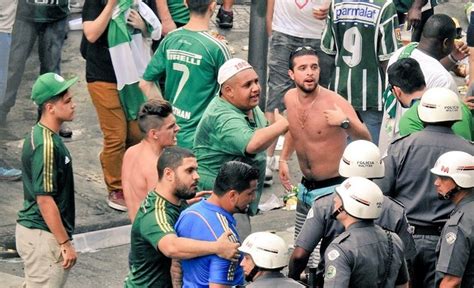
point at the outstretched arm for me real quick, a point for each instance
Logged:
(173, 246)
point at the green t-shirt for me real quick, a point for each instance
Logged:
(179, 12)
(149, 267)
(223, 135)
(47, 170)
(360, 34)
(410, 122)
(191, 61)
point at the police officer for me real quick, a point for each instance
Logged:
(455, 181)
(365, 255)
(265, 255)
(407, 179)
(360, 158)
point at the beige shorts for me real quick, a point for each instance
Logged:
(42, 258)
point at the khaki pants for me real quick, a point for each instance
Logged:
(42, 258)
(119, 134)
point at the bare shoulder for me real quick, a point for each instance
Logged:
(289, 96)
(131, 152)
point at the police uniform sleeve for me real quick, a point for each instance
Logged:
(388, 183)
(313, 228)
(388, 40)
(328, 43)
(403, 275)
(337, 267)
(453, 250)
(44, 168)
(403, 231)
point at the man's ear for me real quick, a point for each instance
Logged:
(227, 90)
(168, 173)
(396, 91)
(291, 74)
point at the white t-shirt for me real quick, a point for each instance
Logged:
(7, 15)
(295, 18)
(435, 76)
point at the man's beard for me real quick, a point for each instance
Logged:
(185, 192)
(240, 210)
(307, 90)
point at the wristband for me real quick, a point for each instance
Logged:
(283, 161)
(451, 58)
(60, 244)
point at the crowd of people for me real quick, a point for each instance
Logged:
(382, 138)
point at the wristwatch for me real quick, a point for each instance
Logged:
(345, 123)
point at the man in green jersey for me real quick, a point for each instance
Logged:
(190, 58)
(361, 36)
(407, 82)
(153, 238)
(234, 128)
(46, 221)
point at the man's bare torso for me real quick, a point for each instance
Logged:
(139, 175)
(319, 147)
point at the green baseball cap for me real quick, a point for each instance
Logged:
(49, 85)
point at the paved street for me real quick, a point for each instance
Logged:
(106, 267)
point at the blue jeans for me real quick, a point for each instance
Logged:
(50, 43)
(5, 41)
(373, 120)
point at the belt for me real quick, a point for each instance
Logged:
(313, 184)
(426, 230)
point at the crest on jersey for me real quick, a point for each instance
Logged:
(450, 238)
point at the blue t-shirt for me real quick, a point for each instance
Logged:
(206, 221)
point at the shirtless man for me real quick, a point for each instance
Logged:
(139, 176)
(319, 123)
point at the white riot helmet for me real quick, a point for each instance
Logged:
(458, 166)
(439, 105)
(361, 158)
(268, 251)
(361, 198)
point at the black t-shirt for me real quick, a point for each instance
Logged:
(98, 63)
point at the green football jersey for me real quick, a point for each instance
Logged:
(411, 122)
(149, 267)
(178, 11)
(47, 170)
(190, 60)
(360, 34)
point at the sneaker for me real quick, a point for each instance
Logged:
(116, 201)
(10, 174)
(225, 19)
(268, 177)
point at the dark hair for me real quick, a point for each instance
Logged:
(172, 157)
(440, 27)
(234, 175)
(198, 7)
(152, 113)
(53, 99)
(407, 75)
(300, 51)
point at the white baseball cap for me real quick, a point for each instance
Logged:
(230, 68)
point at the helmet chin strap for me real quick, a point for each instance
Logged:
(450, 193)
(249, 278)
(337, 212)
